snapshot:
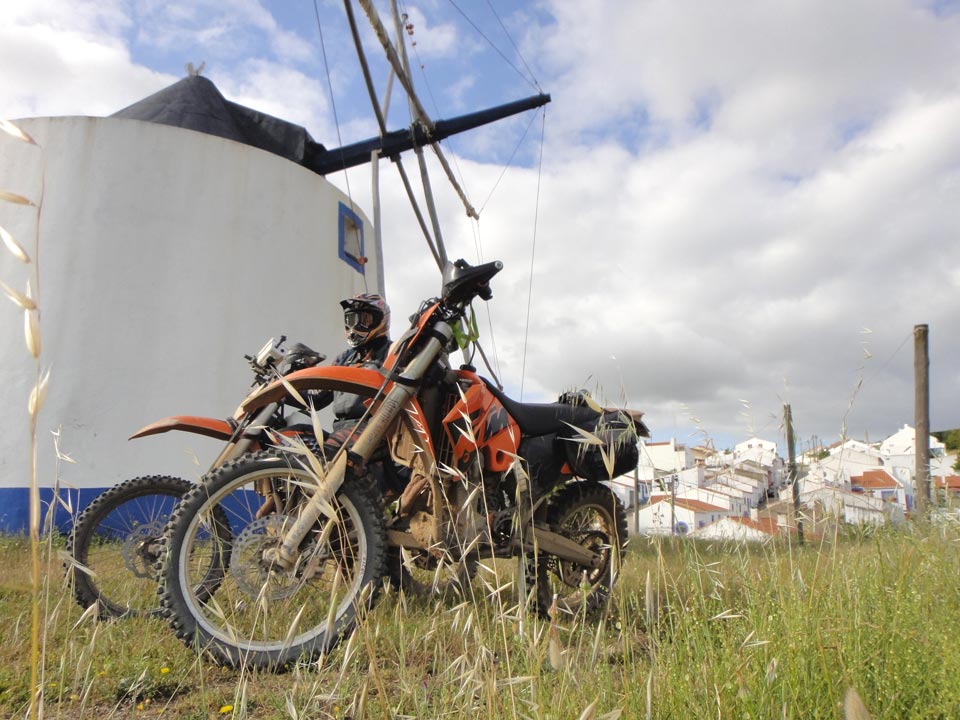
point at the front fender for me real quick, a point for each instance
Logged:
(211, 427)
(354, 380)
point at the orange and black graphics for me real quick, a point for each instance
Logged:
(479, 422)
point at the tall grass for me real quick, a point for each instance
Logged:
(29, 304)
(693, 630)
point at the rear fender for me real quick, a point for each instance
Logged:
(355, 380)
(636, 417)
(211, 427)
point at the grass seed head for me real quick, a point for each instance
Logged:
(13, 131)
(853, 707)
(24, 301)
(13, 246)
(38, 394)
(31, 332)
(11, 197)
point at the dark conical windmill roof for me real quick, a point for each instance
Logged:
(195, 103)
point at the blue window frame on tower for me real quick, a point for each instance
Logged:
(350, 239)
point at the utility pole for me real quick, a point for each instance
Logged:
(673, 504)
(792, 469)
(921, 374)
(636, 500)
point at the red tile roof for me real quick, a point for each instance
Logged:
(951, 482)
(766, 525)
(695, 505)
(874, 480)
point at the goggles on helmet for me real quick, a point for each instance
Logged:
(362, 320)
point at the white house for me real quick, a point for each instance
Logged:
(853, 508)
(904, 442)
(735, 503)
(883, 486)
(764, 454)
(850, 458)
(687, 515)
(631, 490)
(667, 456)
(752, 489)
(742, 529)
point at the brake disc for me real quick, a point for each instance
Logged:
(139, 554)
(260, 578)
(254, 575)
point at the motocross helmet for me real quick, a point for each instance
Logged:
(365, 318)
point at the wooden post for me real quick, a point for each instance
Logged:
(636, 500)
(792, 469)
(921, 374)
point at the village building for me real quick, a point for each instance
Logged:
(745, 529)
(717, 495)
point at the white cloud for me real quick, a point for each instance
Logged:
(278, 90)
(730, 192)
(49, 70)
(433, 40)
(223, 32)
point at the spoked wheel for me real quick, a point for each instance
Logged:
(591, 515)
(116, 542)
(421, 574)
(261, 615)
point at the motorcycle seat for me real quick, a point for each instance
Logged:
(537, 419)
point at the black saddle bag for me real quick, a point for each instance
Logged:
(615, 454)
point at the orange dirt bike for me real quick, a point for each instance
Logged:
(488, 477)
(114, 541)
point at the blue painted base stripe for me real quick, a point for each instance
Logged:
(15, 508)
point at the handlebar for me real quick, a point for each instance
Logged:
(463, 282)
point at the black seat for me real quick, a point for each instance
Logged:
(543, 418)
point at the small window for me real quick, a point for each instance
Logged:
(350, 233)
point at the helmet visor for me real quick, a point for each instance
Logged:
(362, 320)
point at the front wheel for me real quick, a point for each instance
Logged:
(262, 616)
(590, 514)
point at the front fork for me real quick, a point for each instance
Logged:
(247, 439)
(286, 554)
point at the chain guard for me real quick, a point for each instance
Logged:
(572, 574)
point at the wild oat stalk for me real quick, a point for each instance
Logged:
(28, 303)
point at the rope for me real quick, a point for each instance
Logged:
(503, 27)
(336, 118)
(533, 252)
(458, 182)
(503, 170)
(530, 80)
(381, 122)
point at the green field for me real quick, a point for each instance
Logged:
(694, 630)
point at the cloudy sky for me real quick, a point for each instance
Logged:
(726, 206)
